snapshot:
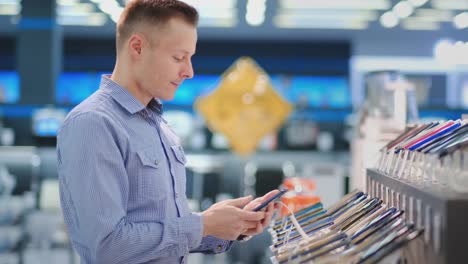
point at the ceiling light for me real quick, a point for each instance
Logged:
(67, 2)
(335, 4)
(223, 4)
(418, 3)
(368, 15)
(403, 9)
(95, 19)
(461, 20)
(443, 52)
(255, 14)
(9, 2)
(217, 22)
(435, 14)
(389, 19)
(82, 8)
(331, 23)
(450, 4)
(10, 9)
(415, 23)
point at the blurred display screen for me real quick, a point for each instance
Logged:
(74, 87)
(9, 87)
(46, 127)
(190, 89)
(314, 91)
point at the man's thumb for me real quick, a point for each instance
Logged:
(241, 202)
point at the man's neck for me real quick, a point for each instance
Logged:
(120, 77)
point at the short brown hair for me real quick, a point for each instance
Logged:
(152, 12)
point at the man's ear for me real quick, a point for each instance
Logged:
(135, 44)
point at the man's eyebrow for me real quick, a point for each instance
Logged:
(184, 51)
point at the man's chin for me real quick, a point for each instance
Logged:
(167, 97)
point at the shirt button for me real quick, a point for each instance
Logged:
(219, 247)
(156, 162)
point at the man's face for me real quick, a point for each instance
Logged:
(167, 63)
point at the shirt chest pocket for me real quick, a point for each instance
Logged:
(179, 167)
(154, 181)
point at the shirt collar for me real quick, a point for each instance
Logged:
(126, 99)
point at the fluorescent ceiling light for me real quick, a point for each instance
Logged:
(335, 4)
(211, 4)
(450, 4)
(367, 15)
(418, 3)
(332, 23)
(67, 2)
(9, 2)
(95, 19)
(217, 22)
(217, 13)
(435, 14)
(461, 20)
(255, 12)
(9, 9)
(254, 19)
(403, 9)
(77, 9)
(414, 23)
(389, 19)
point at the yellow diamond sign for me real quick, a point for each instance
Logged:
(244, 107)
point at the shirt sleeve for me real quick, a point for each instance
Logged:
(212, 245)
(94, 194)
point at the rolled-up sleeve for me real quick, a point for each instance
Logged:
(94, 196)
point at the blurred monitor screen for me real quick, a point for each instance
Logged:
(190, 89)
(314, 91)
(9, 87)
(74, 87)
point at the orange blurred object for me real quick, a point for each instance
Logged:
(301, 195)
(299, 184)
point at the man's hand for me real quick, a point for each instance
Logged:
(226, 219)
(269, 210)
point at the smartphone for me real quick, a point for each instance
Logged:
(273, 198)
(263, 205)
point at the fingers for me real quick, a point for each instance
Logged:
(269, 195)
(240, 202)
(250, 225)
(253, 204)
(268, 215)
(254, 231)
(251, 216)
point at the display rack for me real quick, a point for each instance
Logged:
(442, 212)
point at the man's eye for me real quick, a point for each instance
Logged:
(178, 59)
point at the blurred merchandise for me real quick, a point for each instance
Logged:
(47, 121)
(383, 116)
(301, 194)
(244, 107)
(181, 123)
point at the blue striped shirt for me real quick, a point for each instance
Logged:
(122, 183)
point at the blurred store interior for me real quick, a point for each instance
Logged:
(328, 59)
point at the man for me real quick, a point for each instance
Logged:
(121, 169)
